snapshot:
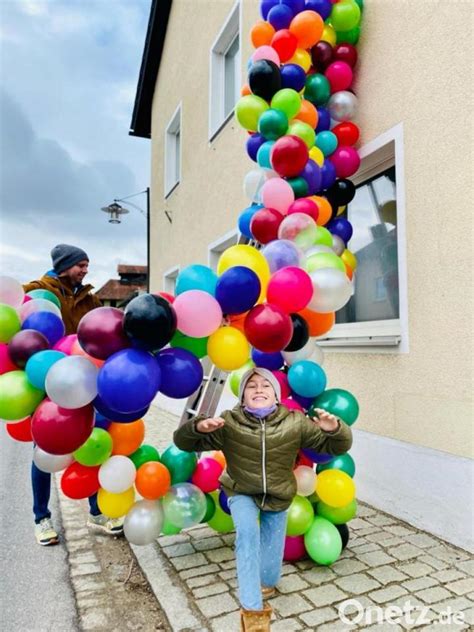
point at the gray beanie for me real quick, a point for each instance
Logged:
(268, 375)
(65, 256)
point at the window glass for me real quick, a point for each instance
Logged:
(230, 74)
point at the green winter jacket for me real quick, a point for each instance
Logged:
(261, 454)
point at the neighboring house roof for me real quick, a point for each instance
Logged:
(113, 290)
(151, 59)
(123, 268)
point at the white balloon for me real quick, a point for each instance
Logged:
(51, 462)
(143, 522)
(117, 474)
(305, 480)
(11, 291)
(318, 355)
(310, 351)
(72, 382)
(38, 305)
(316, 250)
(332, 290)
(253, 183)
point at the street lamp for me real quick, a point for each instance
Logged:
(115, 210)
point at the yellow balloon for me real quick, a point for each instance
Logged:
(228, 348)
(349, 258)
(249, 257)
(115, 505)
(329, 35)
(341, 209)
(335, 488)
(317, 155)
(301, 58)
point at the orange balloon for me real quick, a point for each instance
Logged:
(308, 113)
(318, 324)
(261, 34)
(349, 271)
(324, 208)
(219, 457)
(153, 480)
(126, 437)
(237, 321)
(308, 27)
(245, 90)
(76, 349)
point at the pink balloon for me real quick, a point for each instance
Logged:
(294, 548)
(283, 381)
(26, 299)
(198, 313)
(290, 288)
(304, 205)
(266, 52)
(6, 363)
(340, 76)
(346, 161)
(277, 194)
(66, 344)
(291, 404)
(206, 475)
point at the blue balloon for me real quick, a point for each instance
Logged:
(181, 372)
(263, 154)
(280, 16)
(341, 227)
(328, 174)
(265, 7)
(323, 7)
(113, 415)
(129, 380)
(292, 76)
(307, 378)
(270, 361)
(327, 142)
(253, 144)
(324, 120)
(312, 174)
(39, 364)
(245, 218)
(295, 5)
(101, 421)
(196, 277)
(223, 502)
(47, 323)
(237, 290)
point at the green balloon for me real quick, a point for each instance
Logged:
(348, 37)
(197, 346)
(96, 450)
(210, 508)
(287, 101)
(343, 462)
(18, 398)
(180, 464)
(300, 516)
(323, 541)
(144, 454)
(47, 295)
(248, 111)
(323, 237)
(338, 402)
(360, 4)
(273, 124)
(317, 89)
(236, 376)
(220, 521)
(169, 529)
(324, 260)
(9, 322)
(303, 131)
(299, 186)
(345, 15)
(337, 515)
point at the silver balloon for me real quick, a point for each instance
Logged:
(343, 105)
(338, 245)
(143, 522)
(253, 183)
(332, 290)
(72, 382)
(51, 462)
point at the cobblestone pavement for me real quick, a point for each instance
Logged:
(387, 563)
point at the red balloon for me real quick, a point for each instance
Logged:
(6, 364)
(268, 328)
(290, 288)
(61, 430)
(167, 296)
(347, 53)
(302, 459)
(264, 225)
(206, 475)
(24, 344)
(340, 76)
(284, 385)
(21, 431)
(100, 332)
(347, 133)
(285, 43)
(289, 156)
(304, 205)
(79, 481)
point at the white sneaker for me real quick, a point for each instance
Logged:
(45, 534)
(111, 526)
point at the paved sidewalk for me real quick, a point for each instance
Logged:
(387, 563)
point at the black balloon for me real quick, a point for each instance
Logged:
(340, 193)
(264, 79)
(344, 533)
(149, 322)
(322, 54)
(300, 333)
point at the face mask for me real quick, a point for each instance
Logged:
(261, 412)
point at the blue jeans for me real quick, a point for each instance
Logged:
(41, 484)
(258, 548)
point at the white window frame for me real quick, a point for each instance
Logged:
(172, 179)
(217, 247)
(381, 336)
(169, 279)
(230, 30)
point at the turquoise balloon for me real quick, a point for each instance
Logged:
(39, 364)
(323, 542)
(45, 294)
(306, 378)
(196, 277)
(263, 154)
(273, 124)
(180, 464)
(327, 142)
(338, 402)
(343, 462)
(300, 516)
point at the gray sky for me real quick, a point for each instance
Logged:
(69, 73)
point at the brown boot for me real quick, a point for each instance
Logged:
(256, 620)
(268, 592)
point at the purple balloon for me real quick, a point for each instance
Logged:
(323, 7)
(324, 120)
(317, 457)
(312, 174)
(341, 227)
(280, 16)
(47, 323)
(100, 332)
(266, 5)
(295, 5)
(181, 372)
(292, 76)
(270, 361)
(303, 401)
(328, 174)
(280, 254)
(253, 144)
(223, 502)
(24, 344)
(115, 416)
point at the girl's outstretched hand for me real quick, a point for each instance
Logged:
(209, 425)
(326, 421)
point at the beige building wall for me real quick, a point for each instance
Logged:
(414, 68)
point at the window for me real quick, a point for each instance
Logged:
(173, 152)
(169, 280)
(217, 247)
(225, 73)
(376, 315)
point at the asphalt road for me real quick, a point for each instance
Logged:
(35, 592)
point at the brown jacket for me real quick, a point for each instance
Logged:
(73, 305)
